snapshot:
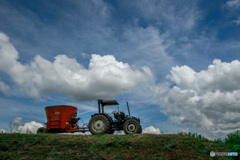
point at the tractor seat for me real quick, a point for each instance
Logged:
(119, 116)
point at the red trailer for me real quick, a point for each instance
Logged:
(60, 119)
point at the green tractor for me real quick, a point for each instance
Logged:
(102, 123)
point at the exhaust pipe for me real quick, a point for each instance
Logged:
(128, 109)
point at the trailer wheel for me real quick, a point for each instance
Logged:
(99, 124)
(41, 130)
(132, 127)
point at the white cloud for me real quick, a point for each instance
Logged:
(18, 121)
(152, 130)
(208, 100)
(4, 88)
(77, 133)
(146, 46)
(237, 21)
(233, 3)
(105, 77)
(185, 131)
(29, 127)
(178, 18)
(3, 131)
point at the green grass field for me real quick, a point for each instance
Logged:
(142, 146)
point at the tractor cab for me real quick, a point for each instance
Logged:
(102, 103)
(119, 116)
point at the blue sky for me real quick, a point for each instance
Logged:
(164, 57)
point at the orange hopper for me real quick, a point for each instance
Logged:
(62, 118)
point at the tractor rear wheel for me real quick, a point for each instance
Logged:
(41, 130)
(99, 124)
(132, 127)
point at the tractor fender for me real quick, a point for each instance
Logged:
(106, 115)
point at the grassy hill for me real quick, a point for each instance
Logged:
(142, 146)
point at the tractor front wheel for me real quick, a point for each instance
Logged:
(41, 130)
(132, 127)
(99, 124)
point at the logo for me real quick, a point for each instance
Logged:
(213, 154)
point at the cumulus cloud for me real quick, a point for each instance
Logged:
(105, 77)
(4, 88)
(20, 127)
(152, 130)
(3, 131)
(208, 100)
(29, 127)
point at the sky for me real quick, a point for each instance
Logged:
(175, 62)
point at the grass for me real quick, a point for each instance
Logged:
(142, 146)
(233, 140)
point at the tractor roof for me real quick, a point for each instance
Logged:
(108, 102)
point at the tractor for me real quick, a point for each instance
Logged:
(102, 123)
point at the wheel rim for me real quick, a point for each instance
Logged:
(131, 127)
(98, 125)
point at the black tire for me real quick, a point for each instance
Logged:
(132, 127)
(41, 130)
(99, 124)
